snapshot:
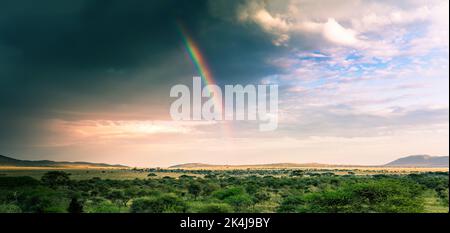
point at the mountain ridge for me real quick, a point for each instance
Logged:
(8, 161)
(420, 161)
(408, 161)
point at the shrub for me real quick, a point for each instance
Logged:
(10, 208)
(213, 208)
(54, 178)
(234, 196)
(290, 204)
(102, 206)
(224, 193)
(167, 203)
(42, 200)
(194, 189)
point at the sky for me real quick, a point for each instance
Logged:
(360, 81)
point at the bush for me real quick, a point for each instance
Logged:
(213, 208)
(388, 196)
(239, 201)
(102, 206)
(10, 208)
(261, 196)
(194, 189)
(42, 200)
(55, 178)
(167, 203)
(118, 196)
(224, 193)
(235, 196)
(290, 204)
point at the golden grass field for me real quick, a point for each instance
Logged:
(120, 173)
(81, 173)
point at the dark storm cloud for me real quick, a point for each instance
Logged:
(92, 56)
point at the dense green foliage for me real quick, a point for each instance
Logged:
(297, 192)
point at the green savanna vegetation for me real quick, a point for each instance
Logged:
(208, 191)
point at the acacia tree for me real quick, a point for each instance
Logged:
(194, 189)
(55, 178)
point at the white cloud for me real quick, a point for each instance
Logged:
(380, 29)
(275, 25)
(336, 33)
(279, 25)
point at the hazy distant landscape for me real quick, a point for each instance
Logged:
(414, 161)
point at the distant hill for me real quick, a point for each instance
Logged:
(192, 165)
(420, 161)
(10, 162)
(410, 161)
(270, 165)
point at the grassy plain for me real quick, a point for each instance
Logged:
(120, 173)
(220, 189)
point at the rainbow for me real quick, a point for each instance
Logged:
(196, 57)
(202, 67)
